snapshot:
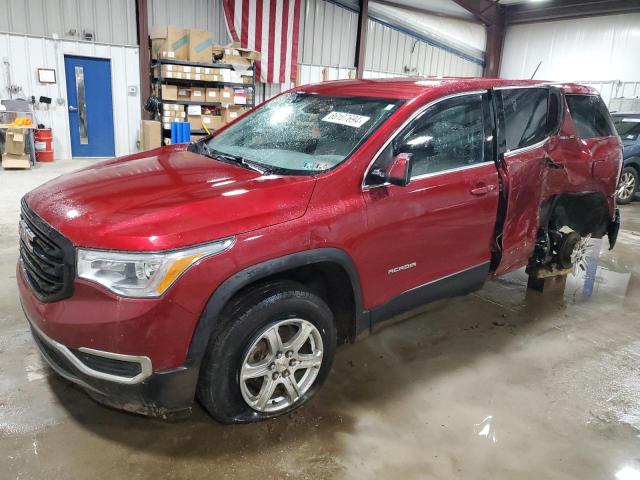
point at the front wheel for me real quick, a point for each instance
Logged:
(627, 186)
(273, 349)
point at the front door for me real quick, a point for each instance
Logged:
(90, 106)
(442, 223)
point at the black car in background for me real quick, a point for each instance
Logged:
(628, 127)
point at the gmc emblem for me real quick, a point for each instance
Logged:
(26, 235)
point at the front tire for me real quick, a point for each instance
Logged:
(272, 350)
(627, 186)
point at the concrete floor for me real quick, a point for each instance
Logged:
(502, 384)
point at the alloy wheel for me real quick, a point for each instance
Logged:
(627, 186)
(281, 365)
(579, 254)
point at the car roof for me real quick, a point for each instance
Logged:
(406, 88)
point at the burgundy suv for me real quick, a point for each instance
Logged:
(229, 269)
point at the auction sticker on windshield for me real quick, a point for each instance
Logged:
(348, 119)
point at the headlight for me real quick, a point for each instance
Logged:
(143, 274)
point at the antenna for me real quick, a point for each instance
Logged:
(536, 70)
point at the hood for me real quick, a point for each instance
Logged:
(166, 198)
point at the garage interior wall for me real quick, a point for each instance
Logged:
(28, 44)
(25, 54)
(110, 21)
(594, 49)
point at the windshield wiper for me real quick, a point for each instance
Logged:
(210, 152)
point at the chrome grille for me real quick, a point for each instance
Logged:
(46, 257)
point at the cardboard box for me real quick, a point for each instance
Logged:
(251, 54)
(200, 46)
(226, 95)
(169, 92)
(231, 113)
(14, 142)
(239, 96)
(195, 121)
(225, 75)
(195, 110)
(212, 95)
(16, 161)
(184, 94)
(237, 60)
(212, 122)
(172, 108)
(170, 42)
(197, 94)
(150, 135)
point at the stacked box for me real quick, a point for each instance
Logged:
(169, 42)
(200, 45)
(172, 113)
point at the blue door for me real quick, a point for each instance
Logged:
(90, 106)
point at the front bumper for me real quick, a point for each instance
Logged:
(162, 394)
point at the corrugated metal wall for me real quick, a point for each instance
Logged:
(329, 39)
(203, 14)
(393, 51)
(25, 54)
(110, 21)
(328, 34)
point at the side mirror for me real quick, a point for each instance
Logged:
(399, 170)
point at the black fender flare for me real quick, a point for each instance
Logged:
(228, 288)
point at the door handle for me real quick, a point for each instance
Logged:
(72, 108)
(482, 189)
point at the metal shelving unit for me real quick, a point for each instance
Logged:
(158, 80)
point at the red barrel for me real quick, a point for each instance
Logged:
(44, 145)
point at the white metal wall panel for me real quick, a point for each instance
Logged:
(110, 21)
(203, 14)
(463, 35)
(595, 48)
(327, 34)
(27, 53)
(393, 51)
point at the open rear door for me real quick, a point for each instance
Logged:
(527, 117)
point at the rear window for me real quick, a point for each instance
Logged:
(590, 116)
(525, 116)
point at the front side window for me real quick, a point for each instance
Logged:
(524, 119)
(590, 116)
(303, 132)
(447, 136)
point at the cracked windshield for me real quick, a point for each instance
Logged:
(303, 132)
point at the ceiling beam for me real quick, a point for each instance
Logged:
(361, 38)
(492, 15)
(142, 31)
(565, 9)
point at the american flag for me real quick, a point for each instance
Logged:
(271, 27)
